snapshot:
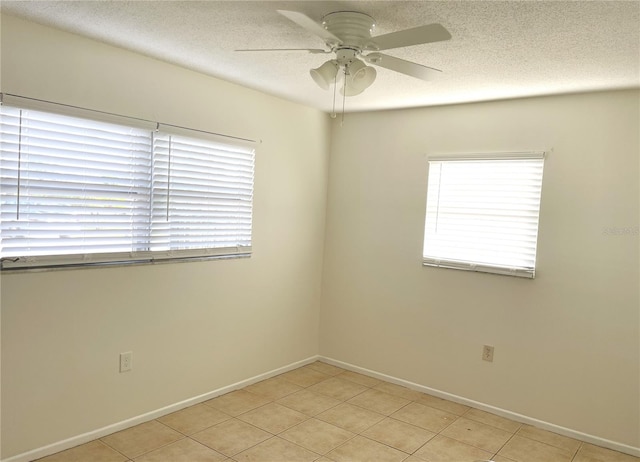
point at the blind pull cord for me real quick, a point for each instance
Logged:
(169, 176)
(19, 168)
(439, 188)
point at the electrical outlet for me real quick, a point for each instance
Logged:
(487, 353)
(126, 361)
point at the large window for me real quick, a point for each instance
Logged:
(80, 191)
(482, 213)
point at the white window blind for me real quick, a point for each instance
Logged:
(72, 186)
(79, 191)
(202, 195)
(482, 213)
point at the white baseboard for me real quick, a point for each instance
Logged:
(104, 431)
(634, 451)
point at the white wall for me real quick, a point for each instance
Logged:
(192, 327)
(567, 345)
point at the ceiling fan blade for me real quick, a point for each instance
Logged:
(308, 50)
(404, 67)
(416, 36)
(306, 22)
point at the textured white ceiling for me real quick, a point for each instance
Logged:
(498, 50)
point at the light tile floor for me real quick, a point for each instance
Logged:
(323, 413)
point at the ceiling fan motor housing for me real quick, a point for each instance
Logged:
(352, 27)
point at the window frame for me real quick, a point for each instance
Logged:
(477, 266)
(142, 255)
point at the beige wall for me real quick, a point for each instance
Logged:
(567, 342)
(192, 327)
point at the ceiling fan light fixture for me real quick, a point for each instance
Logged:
(325, 75)
(359, 77)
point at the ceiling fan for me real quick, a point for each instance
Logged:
(348, 35)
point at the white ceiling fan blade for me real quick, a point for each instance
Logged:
(308, 50)
(306, 22)
(404, 67)
(416, 36)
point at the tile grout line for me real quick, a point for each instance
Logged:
(505, 443)
(577, 451)
(110, 447)
(457, 417)
(187, 436)
(360, 434)
(164, 445)
(550, 445)
(274, 401)
(332, 407)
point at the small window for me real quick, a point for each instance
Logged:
(78, 191)
(482, 213)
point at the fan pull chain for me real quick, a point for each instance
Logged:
(344, 95)
(335, 88)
